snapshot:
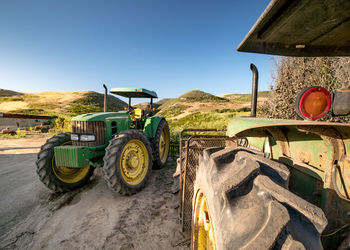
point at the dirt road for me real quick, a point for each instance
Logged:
(93, 217)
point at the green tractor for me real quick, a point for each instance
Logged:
(277, 184)
(126, 144)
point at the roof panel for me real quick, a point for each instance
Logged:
(134, 92)
(301, 28)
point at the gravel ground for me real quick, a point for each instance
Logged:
(92, 217)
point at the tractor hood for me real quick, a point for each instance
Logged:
(93, 117)
(259, 127)
(301, 28)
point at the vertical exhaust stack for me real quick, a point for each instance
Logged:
(254, 90)
(105, 99)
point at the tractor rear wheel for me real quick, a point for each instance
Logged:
(128, 162)
(57, 178)
(241, 201)
(161, 144)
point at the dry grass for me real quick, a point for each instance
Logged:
(57, 102)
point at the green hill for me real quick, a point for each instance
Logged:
(9, 93)
(194, 96)
(198, 109)
(200, 96)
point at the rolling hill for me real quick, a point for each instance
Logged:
(194, 109)
(51, 103)
(199, 101)
(198, 109)
(9, 93)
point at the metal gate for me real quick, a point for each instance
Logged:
(191, 148)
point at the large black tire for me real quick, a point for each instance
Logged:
(161, 143)
(249, 205)
(114, 173)
(45, 166)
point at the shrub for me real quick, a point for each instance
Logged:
(293, 74)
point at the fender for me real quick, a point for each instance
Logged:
(316, 154)
(151, 125)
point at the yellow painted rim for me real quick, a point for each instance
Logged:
(202, 230)
(134, 162)
(69, 175)
(164, 142)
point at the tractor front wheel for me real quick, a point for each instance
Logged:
(58, 178)
(128, 162)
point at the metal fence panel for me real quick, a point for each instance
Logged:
(190, 151)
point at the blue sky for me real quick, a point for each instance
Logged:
(170, 46)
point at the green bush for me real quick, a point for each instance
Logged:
(63, 123)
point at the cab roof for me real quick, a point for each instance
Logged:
(134, 92)
(301, 28)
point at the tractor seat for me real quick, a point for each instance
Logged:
(136, 114)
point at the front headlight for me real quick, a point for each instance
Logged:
(87, 137)
(74, 137)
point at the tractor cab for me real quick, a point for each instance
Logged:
(137, 115)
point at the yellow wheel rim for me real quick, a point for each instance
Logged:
(69, 175)
(134, 162)
(164, 142)
(202, 230)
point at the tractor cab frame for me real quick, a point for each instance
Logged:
(137, 114)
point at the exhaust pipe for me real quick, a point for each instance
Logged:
(254, 90)
(105, 99)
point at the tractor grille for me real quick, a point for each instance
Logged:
(97, 128)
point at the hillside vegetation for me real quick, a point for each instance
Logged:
(9, 93)
(198, 109)
(194, 109)
(62, 105)
(51, 103)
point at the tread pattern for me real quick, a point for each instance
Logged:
(157, 164)
(111, 168)
(250, 205)
(44, 168)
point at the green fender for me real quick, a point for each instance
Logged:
(151, 126)
(317, 154)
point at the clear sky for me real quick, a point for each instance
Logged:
(170, 46)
